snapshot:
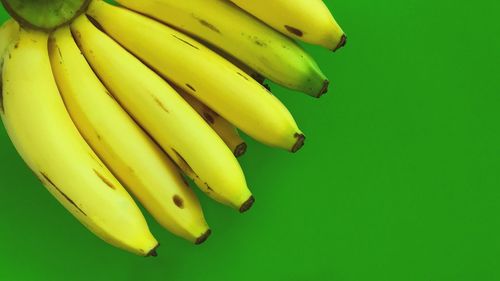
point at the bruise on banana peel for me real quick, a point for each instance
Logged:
(104, 180)
(160, 104)
(207, 24)
(294, 30)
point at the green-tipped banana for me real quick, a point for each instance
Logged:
(242, 36)
(210, 78)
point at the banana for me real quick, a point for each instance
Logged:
(306, 20)
(227, 131)
(129, 153)
(202, 73)
(162, 112)
(248, 70)
(42, 132)
(224, 25)
(8, 33)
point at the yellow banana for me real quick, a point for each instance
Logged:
(179, 130)
(210, 78)
(227, 131)
(127, 151)
(8, 33)
(227, 27)
(42, 131)
(248, 70)
(306, 20)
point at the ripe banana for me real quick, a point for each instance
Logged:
(8, 33)
(224, 25)
(210, 78)
(127, 151)
(227, 131)
(306, 20)
(44, 135)
(252, 73)
(179, 130)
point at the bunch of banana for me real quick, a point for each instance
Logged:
(104, 102)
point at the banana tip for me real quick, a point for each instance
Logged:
(299, 143)
(240, 149)
(203, 237)
(247, 205)
(342, 43)
(324, 89)
(153, 252)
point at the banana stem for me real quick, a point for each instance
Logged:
(45, 15)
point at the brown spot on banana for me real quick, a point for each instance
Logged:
(96, 159)
(178, 201)
(207, 24)
(294, 30)
(60, 54)
(191, 87)
(260, 43)
(240, 74)
(185, 42)
(104, 179)
(160, 103)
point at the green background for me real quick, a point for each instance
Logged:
(399, 179)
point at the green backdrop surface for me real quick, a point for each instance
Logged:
(399, 178)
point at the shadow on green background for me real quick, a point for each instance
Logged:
(399, 179)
